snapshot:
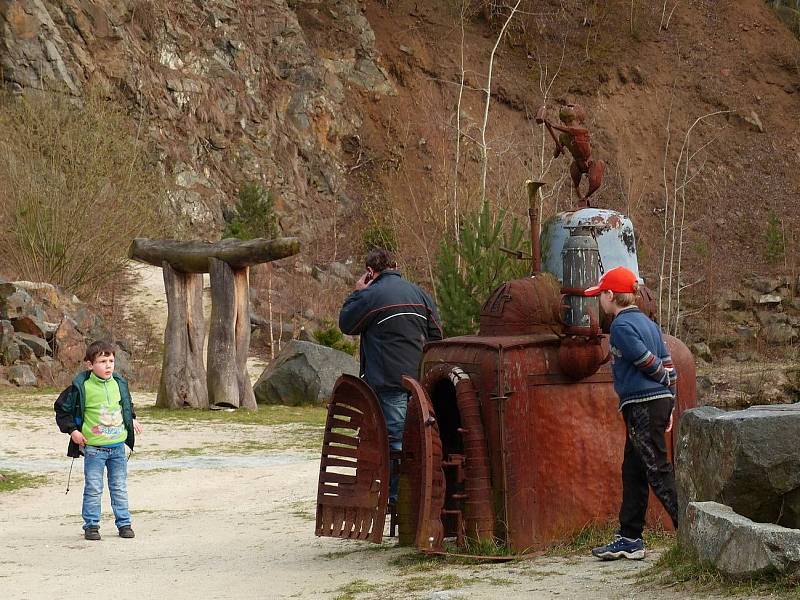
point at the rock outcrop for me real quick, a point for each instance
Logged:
(44, 333)
(746, 459)
(737, 546)
(233, 92)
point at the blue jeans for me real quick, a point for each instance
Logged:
(95, 460)
(394, 405)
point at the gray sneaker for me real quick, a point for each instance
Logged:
(91, 533)
(126, 531)
(621, 547)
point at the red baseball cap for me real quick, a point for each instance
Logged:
(618, 279)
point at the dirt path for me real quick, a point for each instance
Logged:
(214, 520)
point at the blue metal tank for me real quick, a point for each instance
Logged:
(614, 232)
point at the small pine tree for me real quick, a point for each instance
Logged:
(378, 236)
(461, 290)
(331, 336)
(773, 237)
(253, 215)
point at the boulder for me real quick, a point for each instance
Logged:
(731, 300)
(747, 459)
(16, 302)
(778, 333)
(69, 345)
(769, 300)
(29, 325)
(765, 285)
(768, 317)
(39, 346)
(701, 351)
(9, 349)
(738, 546)
(303, 373)
(22, 375)
(341, 271)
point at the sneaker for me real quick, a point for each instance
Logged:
(91, 533)
(621, 547)
(126, 531)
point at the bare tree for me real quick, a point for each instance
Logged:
(488, 91)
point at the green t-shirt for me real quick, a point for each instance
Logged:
(102, 415)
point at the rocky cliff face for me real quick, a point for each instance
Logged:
(227, 92)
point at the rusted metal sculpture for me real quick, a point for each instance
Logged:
(575, 138)
(184, 381)
(354, 469)
(513, 434)
(422, 480)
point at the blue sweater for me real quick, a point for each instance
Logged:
(642, 368)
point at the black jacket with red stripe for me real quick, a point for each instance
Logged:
(394, 318)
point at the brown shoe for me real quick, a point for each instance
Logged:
(91, 533)
(126, 531)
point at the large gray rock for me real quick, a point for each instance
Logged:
(778, 333)
(22, 375)
(737, 546)
(39, 346)
(9, 349)
(303, 373)
(747, 459)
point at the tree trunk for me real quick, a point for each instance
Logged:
(183, 377)
(228, 384)
(241, 282)
(194, 256)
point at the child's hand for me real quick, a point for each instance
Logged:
(136, 427)
(77, 437)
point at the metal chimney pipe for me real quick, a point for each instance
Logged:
(534, 207)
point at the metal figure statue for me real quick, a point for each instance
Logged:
(575, 138)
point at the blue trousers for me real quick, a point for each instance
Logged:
(96, 459)
(393, 405)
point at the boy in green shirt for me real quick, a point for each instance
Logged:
(97, 413)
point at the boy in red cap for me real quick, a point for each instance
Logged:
(644, 379)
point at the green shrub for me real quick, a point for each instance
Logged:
(378, 236)
(331, 336)
(253, 216)
(463, 285)
(76, 186)
(773, 237)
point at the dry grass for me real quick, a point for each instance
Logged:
(76, 187)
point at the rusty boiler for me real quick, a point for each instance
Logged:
(512, 435)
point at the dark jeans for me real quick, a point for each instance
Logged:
(646, 463)
(393, 405)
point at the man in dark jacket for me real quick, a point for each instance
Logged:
(394, 319)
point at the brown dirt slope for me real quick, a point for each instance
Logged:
(639, 84)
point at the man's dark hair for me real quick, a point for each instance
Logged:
(99, 348)
(380, 259)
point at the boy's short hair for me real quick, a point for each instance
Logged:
(624, 299)
(99, 348)
(380, 259)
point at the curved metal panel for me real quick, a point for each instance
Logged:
(353, 485)
(422, 485)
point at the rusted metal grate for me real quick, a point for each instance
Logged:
(354, 469)
(422, 484)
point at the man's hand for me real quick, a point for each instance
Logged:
(77, 437)
(364, 281)
(137, 428)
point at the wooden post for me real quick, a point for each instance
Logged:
(183, 377)
(223, 385)
(241, 286)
